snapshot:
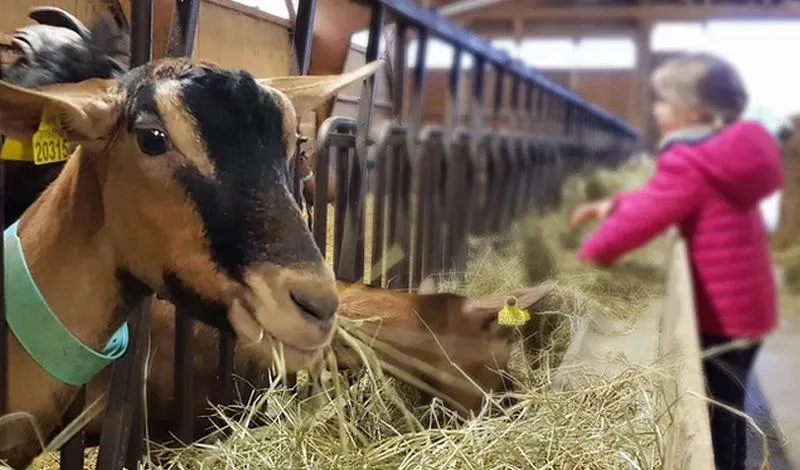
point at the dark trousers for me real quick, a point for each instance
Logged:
(726, 380)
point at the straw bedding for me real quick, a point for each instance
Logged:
(378, 422)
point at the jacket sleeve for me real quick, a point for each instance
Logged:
(673, 192)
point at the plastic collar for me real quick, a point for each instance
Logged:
(40, 331)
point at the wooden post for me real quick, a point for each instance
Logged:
(644, 66)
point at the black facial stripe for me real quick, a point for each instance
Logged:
(142, 100)
(188, 301)
(246, 208)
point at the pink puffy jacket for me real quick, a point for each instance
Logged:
(710, 186)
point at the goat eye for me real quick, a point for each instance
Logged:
(152, 141)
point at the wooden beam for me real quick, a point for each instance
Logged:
(549, 31)
(643, 13)
(460, 7)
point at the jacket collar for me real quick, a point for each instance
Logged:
(687, 135)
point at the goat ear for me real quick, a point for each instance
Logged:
(308, 92)
(86, 110)
(526, 298)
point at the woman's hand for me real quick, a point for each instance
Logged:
(597, 210)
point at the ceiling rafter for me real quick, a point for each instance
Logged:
(521, 9)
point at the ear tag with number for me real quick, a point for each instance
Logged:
(48, 145)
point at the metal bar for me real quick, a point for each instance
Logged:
(499, 82)
(181, 41)
(181, 44)
(304, 34)
(399, 71)
(72, 451)
(3, 326)
(368, 92)
(141, 32)
(440, 27)
(127, 373)
(126, 387)
(290, 11)
(417, 90)
(302, 38)
(514, 104)
(476, 108)
(453, 87)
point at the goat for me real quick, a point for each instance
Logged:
(178, 186)
(59, 49)
(466, 331)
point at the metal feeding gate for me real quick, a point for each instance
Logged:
(433, 186)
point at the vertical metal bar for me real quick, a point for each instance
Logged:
(368, 92)
(322, 155)
(411, 178)
(181, 41)
(126, 388)
(417, 91)
(304, 34)
(399, 80)
(127, 375)
(3, 326)
(514, 105)
(453, 88)
(478, 192)
(181, 44)
(568, 124)
(454, 171)
(302, 38)
(72, 451)
(496, 157)
(499, 88)
(141, 32)
(351, 264)
(476, 109)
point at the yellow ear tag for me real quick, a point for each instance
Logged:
(18, 150)
(512, 315)
(48, 145)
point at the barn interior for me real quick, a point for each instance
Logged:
(604, 51)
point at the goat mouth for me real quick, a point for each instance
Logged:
(245, 321)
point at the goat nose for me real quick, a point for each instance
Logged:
(320, 306)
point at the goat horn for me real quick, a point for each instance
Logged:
(55, 16)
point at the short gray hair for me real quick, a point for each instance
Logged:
(702, 79)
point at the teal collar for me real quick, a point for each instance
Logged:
(40, 331)
(307, 177)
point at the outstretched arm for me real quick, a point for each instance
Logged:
(673, 192)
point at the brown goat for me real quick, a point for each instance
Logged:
(178, 186)
(466, 331)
